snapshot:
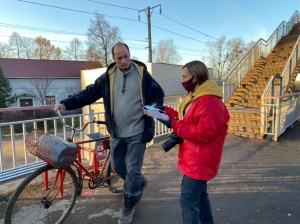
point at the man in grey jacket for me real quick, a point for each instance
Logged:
(125, 87)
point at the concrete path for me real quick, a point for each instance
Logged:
(258, 182)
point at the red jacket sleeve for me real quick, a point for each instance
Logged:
(173, 114)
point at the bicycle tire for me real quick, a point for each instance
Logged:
(116, 183)
(25, 205)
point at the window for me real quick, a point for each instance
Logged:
(50, 100)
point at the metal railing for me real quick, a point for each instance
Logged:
(274, 90)
(282, 111)
(261, 48)
(13, 152)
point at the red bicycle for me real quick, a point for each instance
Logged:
(48, 195)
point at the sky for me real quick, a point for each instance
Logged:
(190, 24)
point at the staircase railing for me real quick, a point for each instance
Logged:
(261, 49)
(283, 111)
(290, 65)
(273, 109)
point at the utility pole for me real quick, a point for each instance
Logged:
(148, 13)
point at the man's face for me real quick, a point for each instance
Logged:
(122, 58)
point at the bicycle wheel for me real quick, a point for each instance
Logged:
(27, 206)
(115, 184)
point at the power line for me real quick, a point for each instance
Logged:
(63, 8)
(136, 48)
(178, 34)
(103, 3)
(73, 10)
(188, 27)
(81, 34)
(49, 30)
(41, 29)
(155, 13)
(63, 41)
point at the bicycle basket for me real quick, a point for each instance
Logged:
(52, 149)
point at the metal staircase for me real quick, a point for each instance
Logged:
(244, 103)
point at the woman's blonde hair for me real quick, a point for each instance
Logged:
(199, 70)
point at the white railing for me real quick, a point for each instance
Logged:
(13, 152)
(267, 102)
(282, 111)
(276, 87)
(261, 48)
(290, 65)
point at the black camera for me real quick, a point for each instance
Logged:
(171, 142)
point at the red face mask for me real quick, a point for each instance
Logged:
(189, 85)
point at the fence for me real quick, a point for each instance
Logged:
(281, 111)
(15, 161)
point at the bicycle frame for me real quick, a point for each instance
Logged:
(95, 176)
(60, 182)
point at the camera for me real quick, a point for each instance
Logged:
(171, 142)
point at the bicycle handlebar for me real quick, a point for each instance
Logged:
(78, 129)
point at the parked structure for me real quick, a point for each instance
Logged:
(43, 82)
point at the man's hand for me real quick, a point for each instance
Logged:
(59, 107)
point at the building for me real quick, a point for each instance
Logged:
(43, 82)
(46, 82)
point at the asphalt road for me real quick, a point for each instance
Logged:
(258, 182)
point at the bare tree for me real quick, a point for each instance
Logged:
(223, 54)
(45, 50)
(56, 54)
(75, 51)
(28, 45)
(165, 52)
(4, 50)
(15, 45)
(39, 88)
(73, 88)
(92, 57)
(101, 37)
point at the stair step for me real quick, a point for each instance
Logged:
(246, 134)
(248, 121)
(244, 125)
(243, 128)
(247, 110)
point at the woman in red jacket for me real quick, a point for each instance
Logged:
(201, 121)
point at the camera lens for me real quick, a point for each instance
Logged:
(167, 145)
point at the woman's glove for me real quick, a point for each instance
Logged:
(168, 122)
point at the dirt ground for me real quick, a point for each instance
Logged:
(258, 182)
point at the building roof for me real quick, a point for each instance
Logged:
(29, 68)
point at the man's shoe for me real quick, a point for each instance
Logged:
(126, 216)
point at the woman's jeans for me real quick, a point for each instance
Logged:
(127, 155)
(194, 202)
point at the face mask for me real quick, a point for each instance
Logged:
(189, 85)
